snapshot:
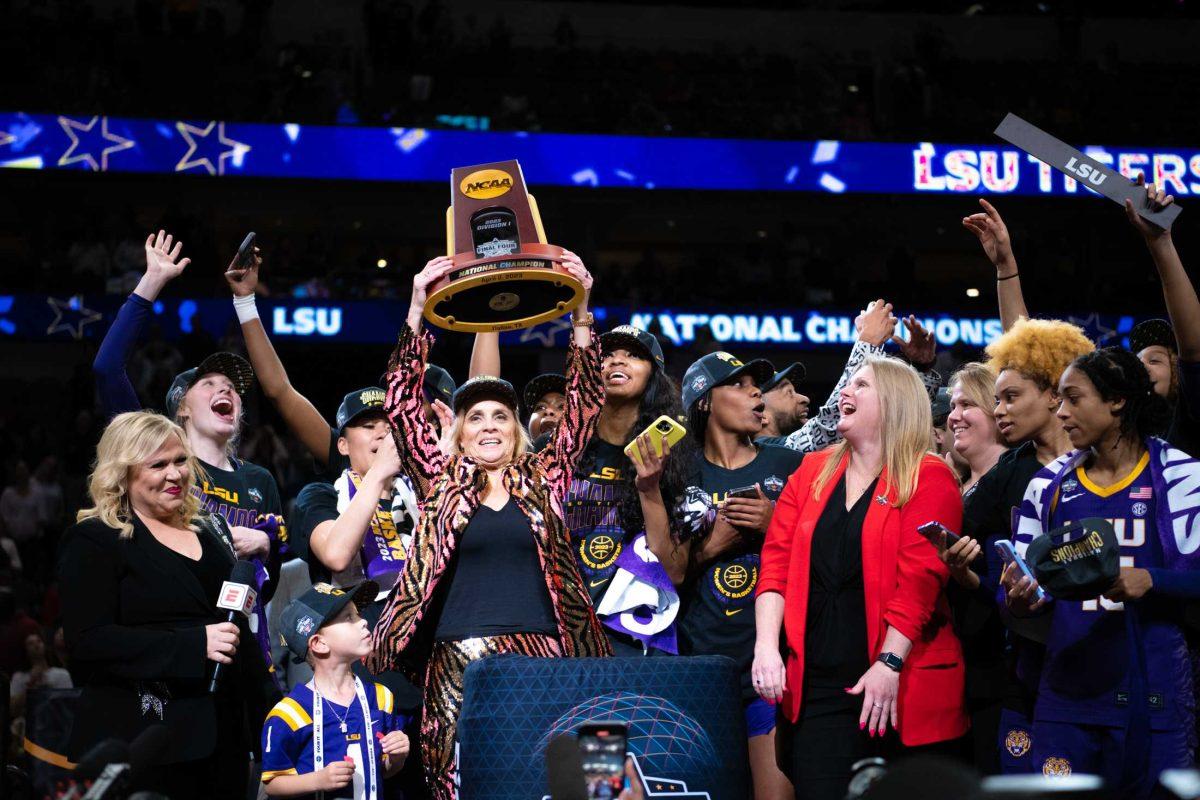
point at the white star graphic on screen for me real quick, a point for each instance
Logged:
(193, 135)
(72, 126)
(546, 333)
(71, 316)
(1091, 324)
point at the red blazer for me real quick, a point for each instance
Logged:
(903, 580)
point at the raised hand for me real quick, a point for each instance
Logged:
(163, 264)
(574, 265)
(992, 233)
(1158, 200)
(878, 324)
(243, 280)
(921, 348)
(445, 421)
(435, 269)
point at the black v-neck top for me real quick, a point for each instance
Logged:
(496, 584)
(835, 639)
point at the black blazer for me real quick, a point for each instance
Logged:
(134, 619)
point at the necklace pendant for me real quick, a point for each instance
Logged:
(343, 727)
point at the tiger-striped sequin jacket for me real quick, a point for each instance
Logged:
(451, 488)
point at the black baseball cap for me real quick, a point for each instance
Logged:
(438, 384)
(484, 387)
(357, 403)
(1079, 561)
(231, 365)
(940, 406)
(1151, 332)
(636, 339)
(717, 368)
(793, 374)
(312, 610)
(541, 386)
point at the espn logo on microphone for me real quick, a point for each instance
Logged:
(237, 597)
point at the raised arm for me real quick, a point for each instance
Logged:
(112, 380)
(875, 326)
(485, 356)
(301, 416)
(416, 437)
(585, 390)
(1178, 291)
(989, 227)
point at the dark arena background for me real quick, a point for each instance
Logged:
(741, 177)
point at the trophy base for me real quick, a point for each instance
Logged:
(504, 293)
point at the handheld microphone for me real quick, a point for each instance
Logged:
(564, 768)
(237, 597)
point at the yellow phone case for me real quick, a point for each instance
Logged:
(665, 427)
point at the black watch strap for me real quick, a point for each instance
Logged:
(891, 661)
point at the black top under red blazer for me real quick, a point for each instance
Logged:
(903, 583)
(134, 618)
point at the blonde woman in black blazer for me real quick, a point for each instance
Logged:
(139, 575)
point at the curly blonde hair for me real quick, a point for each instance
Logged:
(1039, 349)
(127, 442)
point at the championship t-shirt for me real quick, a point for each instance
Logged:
(1104, 658)
(718, 611)
(288, 739)
(239, 495)
(593, 514)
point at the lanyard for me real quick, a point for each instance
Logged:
(319, 735)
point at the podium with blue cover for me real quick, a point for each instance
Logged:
(687, 731)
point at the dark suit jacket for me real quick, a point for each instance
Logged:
(134, 618)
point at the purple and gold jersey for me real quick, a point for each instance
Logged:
(1098, 649)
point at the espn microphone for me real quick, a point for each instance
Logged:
(237, 597)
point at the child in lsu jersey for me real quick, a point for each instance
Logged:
(1115, 696)
(334, 737)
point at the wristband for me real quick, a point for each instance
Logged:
(245, 308)
(1008, 277)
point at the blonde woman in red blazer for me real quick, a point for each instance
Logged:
(859, 593)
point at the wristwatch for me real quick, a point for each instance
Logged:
(891, 661)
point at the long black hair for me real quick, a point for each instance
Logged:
(1118, 375)
(661, 396)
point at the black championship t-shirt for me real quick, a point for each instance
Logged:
(593, 514)
(718, 612)
(990, 511)
(241, 495)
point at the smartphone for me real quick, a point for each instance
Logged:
(1008, 554)
(602, 748)
(245, 253)
(749, 492)
(938, 535)
(665, 428)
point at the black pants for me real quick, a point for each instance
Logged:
(817, 752)
(224, 773)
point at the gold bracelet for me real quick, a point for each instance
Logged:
(584, 322)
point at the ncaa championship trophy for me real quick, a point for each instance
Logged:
(506, 276)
